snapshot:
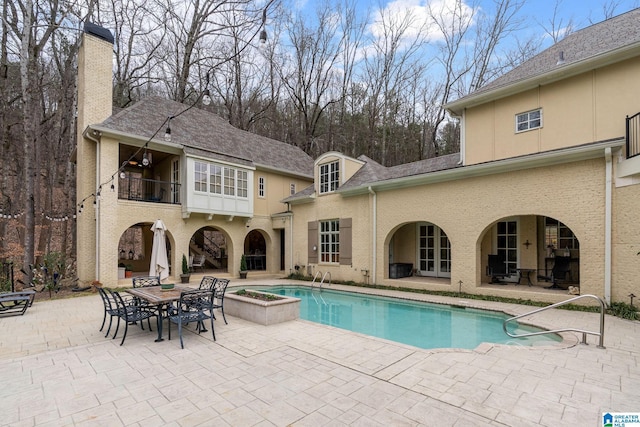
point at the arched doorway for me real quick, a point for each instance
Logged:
(255, 250)
(134, 250)
(532, 250)
(420, 248)
(210, 243)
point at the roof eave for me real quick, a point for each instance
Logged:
(597, 61)
(548, 158)
(133, 139)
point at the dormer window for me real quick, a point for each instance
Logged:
(529, 120)
(329, 177)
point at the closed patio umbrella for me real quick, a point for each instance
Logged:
(159, 262)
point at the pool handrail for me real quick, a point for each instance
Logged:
(558, 304)
(323, 276)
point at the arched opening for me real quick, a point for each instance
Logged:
(531, 250)
(421, 249)
(255, 250)
(208, 247)
(134, 250)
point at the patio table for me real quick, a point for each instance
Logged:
(155, 295)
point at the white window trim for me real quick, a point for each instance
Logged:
(262, 187)
(329, 182)
(330, 253)
(528, 120)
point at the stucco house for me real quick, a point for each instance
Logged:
(547, 172)
(217, 189)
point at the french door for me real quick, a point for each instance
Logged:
(507, 244)
(434, 251)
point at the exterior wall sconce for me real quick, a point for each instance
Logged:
(315, 248)
(130, 254)
(122, 254)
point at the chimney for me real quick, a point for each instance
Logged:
(95, 63)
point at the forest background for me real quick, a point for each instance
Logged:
(332, 75)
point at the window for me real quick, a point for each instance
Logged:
(529, 120)
(329, 177)
(229, 181)
(215, 179)
(261, 186)
(292, 189)
(200, 176)
(330, 241)
(559, 236)
(242, 183)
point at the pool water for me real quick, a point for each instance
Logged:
(419, 324)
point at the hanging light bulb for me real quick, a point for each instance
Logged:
(145, 158)
(123, 175)
(167, 133)
(206, 97)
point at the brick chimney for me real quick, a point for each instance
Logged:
(95, 63)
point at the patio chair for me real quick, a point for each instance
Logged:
(207, 282)
(131, 311)
(193, 306)
(219, 289)
(496, 268)
(198, 262)
(144, 281)
(561, 268)
(110, 309)
(15, 303)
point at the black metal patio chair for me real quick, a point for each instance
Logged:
(131, 311)
(144, 281)
(207, 282)
(219, 289)
(194, 306)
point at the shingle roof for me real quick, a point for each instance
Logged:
(588, 43)
(203, 133)
(374, 173)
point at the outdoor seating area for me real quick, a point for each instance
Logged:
(303, 373)
(148, 297)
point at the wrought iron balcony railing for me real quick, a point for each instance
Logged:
(633, 135)
(148, 190)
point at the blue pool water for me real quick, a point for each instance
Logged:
(419, 324)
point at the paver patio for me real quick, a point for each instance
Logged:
(58, 369)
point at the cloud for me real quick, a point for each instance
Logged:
(416, 15)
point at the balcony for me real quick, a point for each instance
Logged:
(633, 135)
(148, 190)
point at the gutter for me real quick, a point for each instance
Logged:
(89, 134)
(551, 76)
(374, 226)
(529, 161)
(607, 224)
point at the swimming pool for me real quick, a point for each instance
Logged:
(420, 324)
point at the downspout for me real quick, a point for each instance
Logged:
(89, 134)
(607, 224)
(374, 225)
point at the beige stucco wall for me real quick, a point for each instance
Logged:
(467, 210)
(585, 108)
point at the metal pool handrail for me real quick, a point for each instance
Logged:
(319, 273)
(558, 304)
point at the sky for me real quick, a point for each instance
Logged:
(535, 14)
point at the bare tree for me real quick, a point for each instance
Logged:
(557, 27)
(308, 77)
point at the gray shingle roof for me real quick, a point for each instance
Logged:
(588, 43)
(203, 133)
(374, 173)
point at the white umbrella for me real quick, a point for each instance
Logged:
(159, 262)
